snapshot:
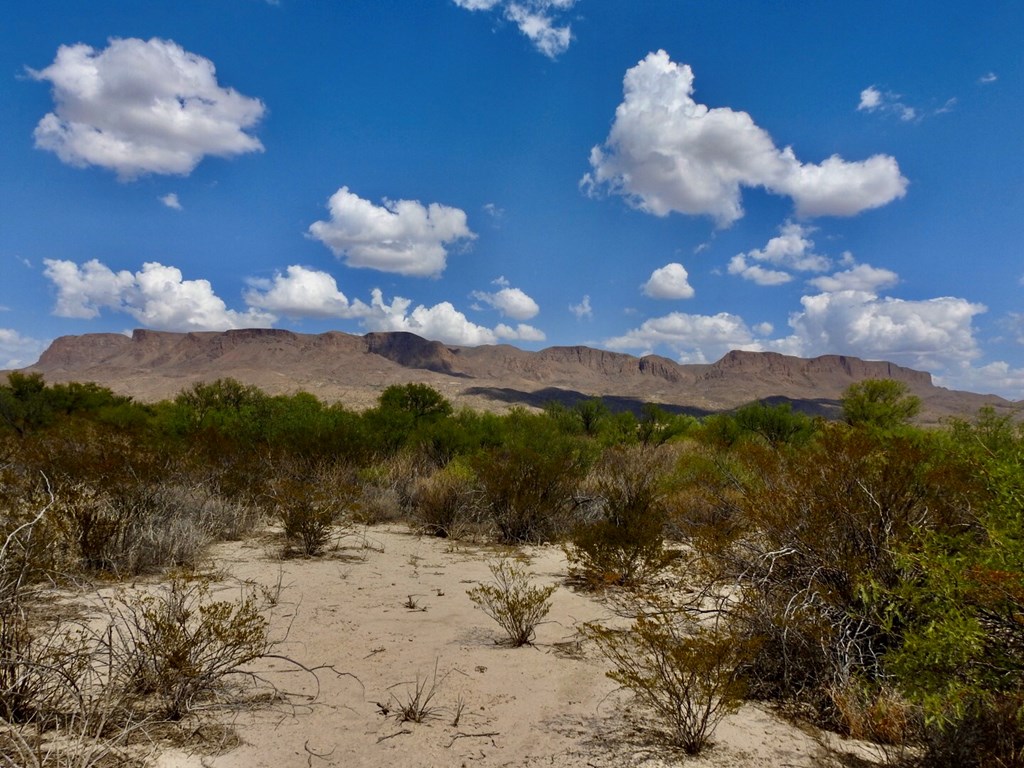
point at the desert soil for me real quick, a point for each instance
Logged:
(546, 705)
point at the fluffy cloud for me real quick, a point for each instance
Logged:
(17, 351)
(935, 333)
(666, 152)
(874, 100)
(441, 322)
(669, 282)
(156, 296)
(862, 277)
(537, 19)
(791, 250)
(738, 265)
(141, 107)
(302, 292)
(522, 332)
(693, 338)
(404, 236)
(510, 302)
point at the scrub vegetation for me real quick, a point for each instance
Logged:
(864, 574)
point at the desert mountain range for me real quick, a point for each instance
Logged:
(335, 366)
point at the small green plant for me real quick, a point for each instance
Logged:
(686, 673)
(513, 602)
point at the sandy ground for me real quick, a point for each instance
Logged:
(546, 705)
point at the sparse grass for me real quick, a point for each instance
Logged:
(416, 704)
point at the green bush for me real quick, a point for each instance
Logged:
(958, 609)
(528, 484)
(812, 532)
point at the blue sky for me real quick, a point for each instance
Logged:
(682, 178)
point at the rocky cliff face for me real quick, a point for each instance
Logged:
(766, 365)
(152, 365)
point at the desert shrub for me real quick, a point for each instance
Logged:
(881, 404)
(25, 403)
(958, 608)
(657, 426)
(513, 602)
(386, 489)
(179, 647)
(403, 413)
(686, 672)
(623, 541)
(529, 483)
(310, 501)
(775, 424)
(873, 711)
(225, 405)
(708, 488)
(446, 503)
(814, 530)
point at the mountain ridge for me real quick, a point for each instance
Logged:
(336, 366)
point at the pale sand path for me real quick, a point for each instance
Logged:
(547, 705)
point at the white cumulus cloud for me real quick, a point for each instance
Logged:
(521, 332)
(302, 292)
(693, 338)
(669, 282)
(157, 296)
(539, 20)
(934, 335)
(401, 236)
(791, 250)
(441, 322)
(862, 277)
(928, 334)
(997, 378)
(870, 98)
(509, 301)
(142, 106)
(739, 265)
(666, 152)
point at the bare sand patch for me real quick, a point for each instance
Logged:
(389, 610)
